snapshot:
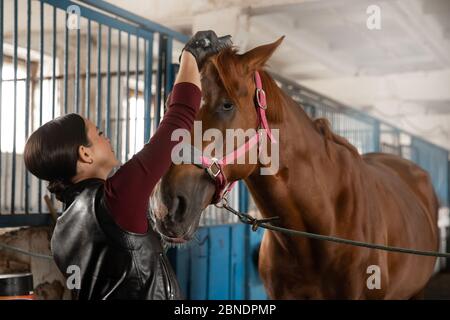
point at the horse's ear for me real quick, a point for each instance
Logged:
(257, 57)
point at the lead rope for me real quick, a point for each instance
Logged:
(266, 224)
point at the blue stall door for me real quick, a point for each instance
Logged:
(220, 264)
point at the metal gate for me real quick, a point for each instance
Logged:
(361, 130)
(433, 159)
(87, 57)
(116, 69)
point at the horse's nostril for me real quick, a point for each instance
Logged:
(172, 224)
(167, 227)
(180, 209)
(177, 208)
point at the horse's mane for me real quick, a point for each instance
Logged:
(323, 126)
(230, 71)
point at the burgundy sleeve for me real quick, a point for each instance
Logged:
(127, 192)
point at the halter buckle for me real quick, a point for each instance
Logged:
(214, 168)
(262, 103)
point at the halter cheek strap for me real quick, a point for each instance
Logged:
(261, 106)
(214, 166)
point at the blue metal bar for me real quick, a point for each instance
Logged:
(13, 171)
(102, 19)
(99, 76)
(53, 75)
(108, 87)
(66, 65)
(41, 86)
(127, 117)
(27, 102)
(376, 136)
(168, 75)
(447, 180)
(148, 88)
(1, 89)
(119, 104)
(88, 71)
(145, 81)
(77, 75)
(142, 22)
(136, 92)
(448, 194)
(54, 65)
(243, 197)
(159, 79)
(23, 220)
(247, 264)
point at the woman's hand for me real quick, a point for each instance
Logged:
(199, 48)
(204, 44)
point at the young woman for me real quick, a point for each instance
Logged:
(102, 242)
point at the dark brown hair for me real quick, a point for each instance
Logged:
(51, 152)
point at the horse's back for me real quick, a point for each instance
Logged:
(417, 179)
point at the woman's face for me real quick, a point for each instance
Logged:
(102, 152)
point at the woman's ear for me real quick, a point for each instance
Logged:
(85, 154)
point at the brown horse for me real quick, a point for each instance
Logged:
(323, 186)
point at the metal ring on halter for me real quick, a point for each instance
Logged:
(261, 91)
(222, 202)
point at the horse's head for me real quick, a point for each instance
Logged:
(228, 91)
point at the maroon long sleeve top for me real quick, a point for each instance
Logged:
(127, 192)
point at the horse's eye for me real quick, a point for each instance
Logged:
(227, 106)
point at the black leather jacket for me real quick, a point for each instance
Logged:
(113, 263)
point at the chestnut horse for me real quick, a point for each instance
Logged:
(323, 186)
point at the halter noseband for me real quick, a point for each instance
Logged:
(213, 166)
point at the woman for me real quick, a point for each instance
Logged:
(102, 242)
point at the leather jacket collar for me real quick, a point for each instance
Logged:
(75, 189)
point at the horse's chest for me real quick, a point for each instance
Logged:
(319, 273)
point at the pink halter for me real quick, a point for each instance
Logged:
(214, 166)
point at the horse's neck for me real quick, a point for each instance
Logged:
(301, 192)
